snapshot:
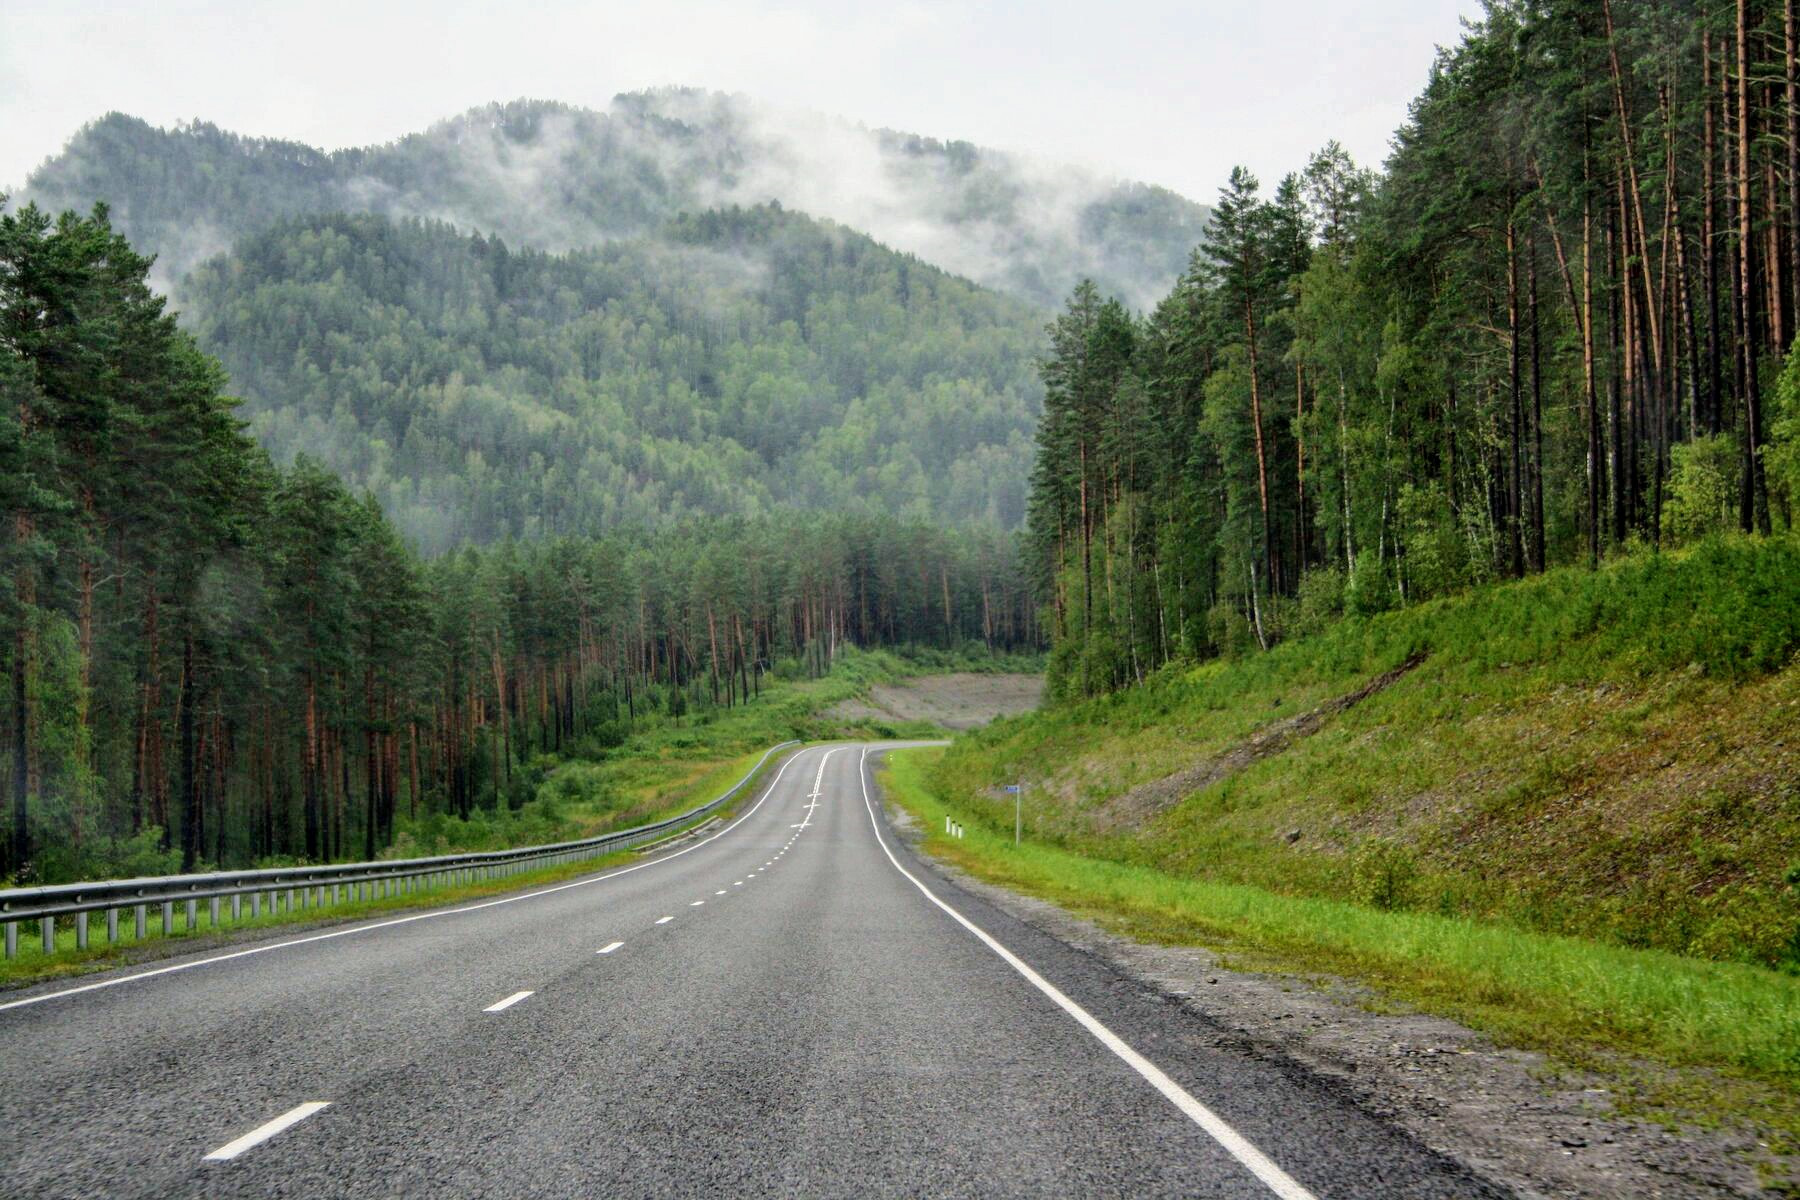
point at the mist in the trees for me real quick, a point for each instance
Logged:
(554, 177)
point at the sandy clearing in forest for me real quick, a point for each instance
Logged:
(960, 701)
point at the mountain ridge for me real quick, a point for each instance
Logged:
(559, 176)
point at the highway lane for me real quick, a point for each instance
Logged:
(778, 1010)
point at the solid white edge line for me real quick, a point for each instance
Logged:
(424, 916)
(609, 948)
(263, 1133)
(1254, 1160)
(507, 1003)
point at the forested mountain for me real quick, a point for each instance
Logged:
(537, 319)
(556, 177)
(1553, 330)
(737, 363)
(206, 650)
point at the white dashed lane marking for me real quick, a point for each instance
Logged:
(263, 1133)
(506, 1003)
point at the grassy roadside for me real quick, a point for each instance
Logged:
(619, 777)
(33, 966)
(1731, 1030)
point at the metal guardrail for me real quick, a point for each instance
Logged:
(296, 889)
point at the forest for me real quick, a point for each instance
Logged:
(557, 177)
(741, 362)
(1553, 329)
(210, 653)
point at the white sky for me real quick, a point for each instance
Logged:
(1167, 92)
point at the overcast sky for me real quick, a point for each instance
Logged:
(1172, 93)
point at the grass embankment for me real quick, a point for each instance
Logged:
(1573, 824)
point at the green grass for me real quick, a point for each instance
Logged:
(1612, 755)
(1575, 825)
(1581, 1000)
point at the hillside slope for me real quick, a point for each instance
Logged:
(736, 363)
(558, 177)
(1609, 755)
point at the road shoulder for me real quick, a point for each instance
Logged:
(1509, 1116)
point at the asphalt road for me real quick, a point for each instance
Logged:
(796, 1006)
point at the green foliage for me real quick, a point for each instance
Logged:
(252, 662)
(750, 361)
(1384, 876)
(1602, 754)
(1704, 478)
(1783, 452)
(1425, 380)
(1321, 601)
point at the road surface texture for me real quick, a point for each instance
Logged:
(794, 1005)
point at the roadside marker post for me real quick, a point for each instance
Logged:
(1018, 791)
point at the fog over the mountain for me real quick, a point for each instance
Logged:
(558, 177)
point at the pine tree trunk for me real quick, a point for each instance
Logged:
(371, 771)
(1589, 393)
(21, 731)
(190, 794)
(1791, 72)
(1515, 490)
(1262, 459)
(1537, 409)
(1637, 200)
(1709, 239)
(310, 801)
(1753, 507)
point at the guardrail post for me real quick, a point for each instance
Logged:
(212, 911)
(12, 939)
(139, 911)
(193, 915)
(81, 931)
(255, 905)
(237, 907)
(168, 907)
(47, 926)
(290, 907)
(112, 926)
